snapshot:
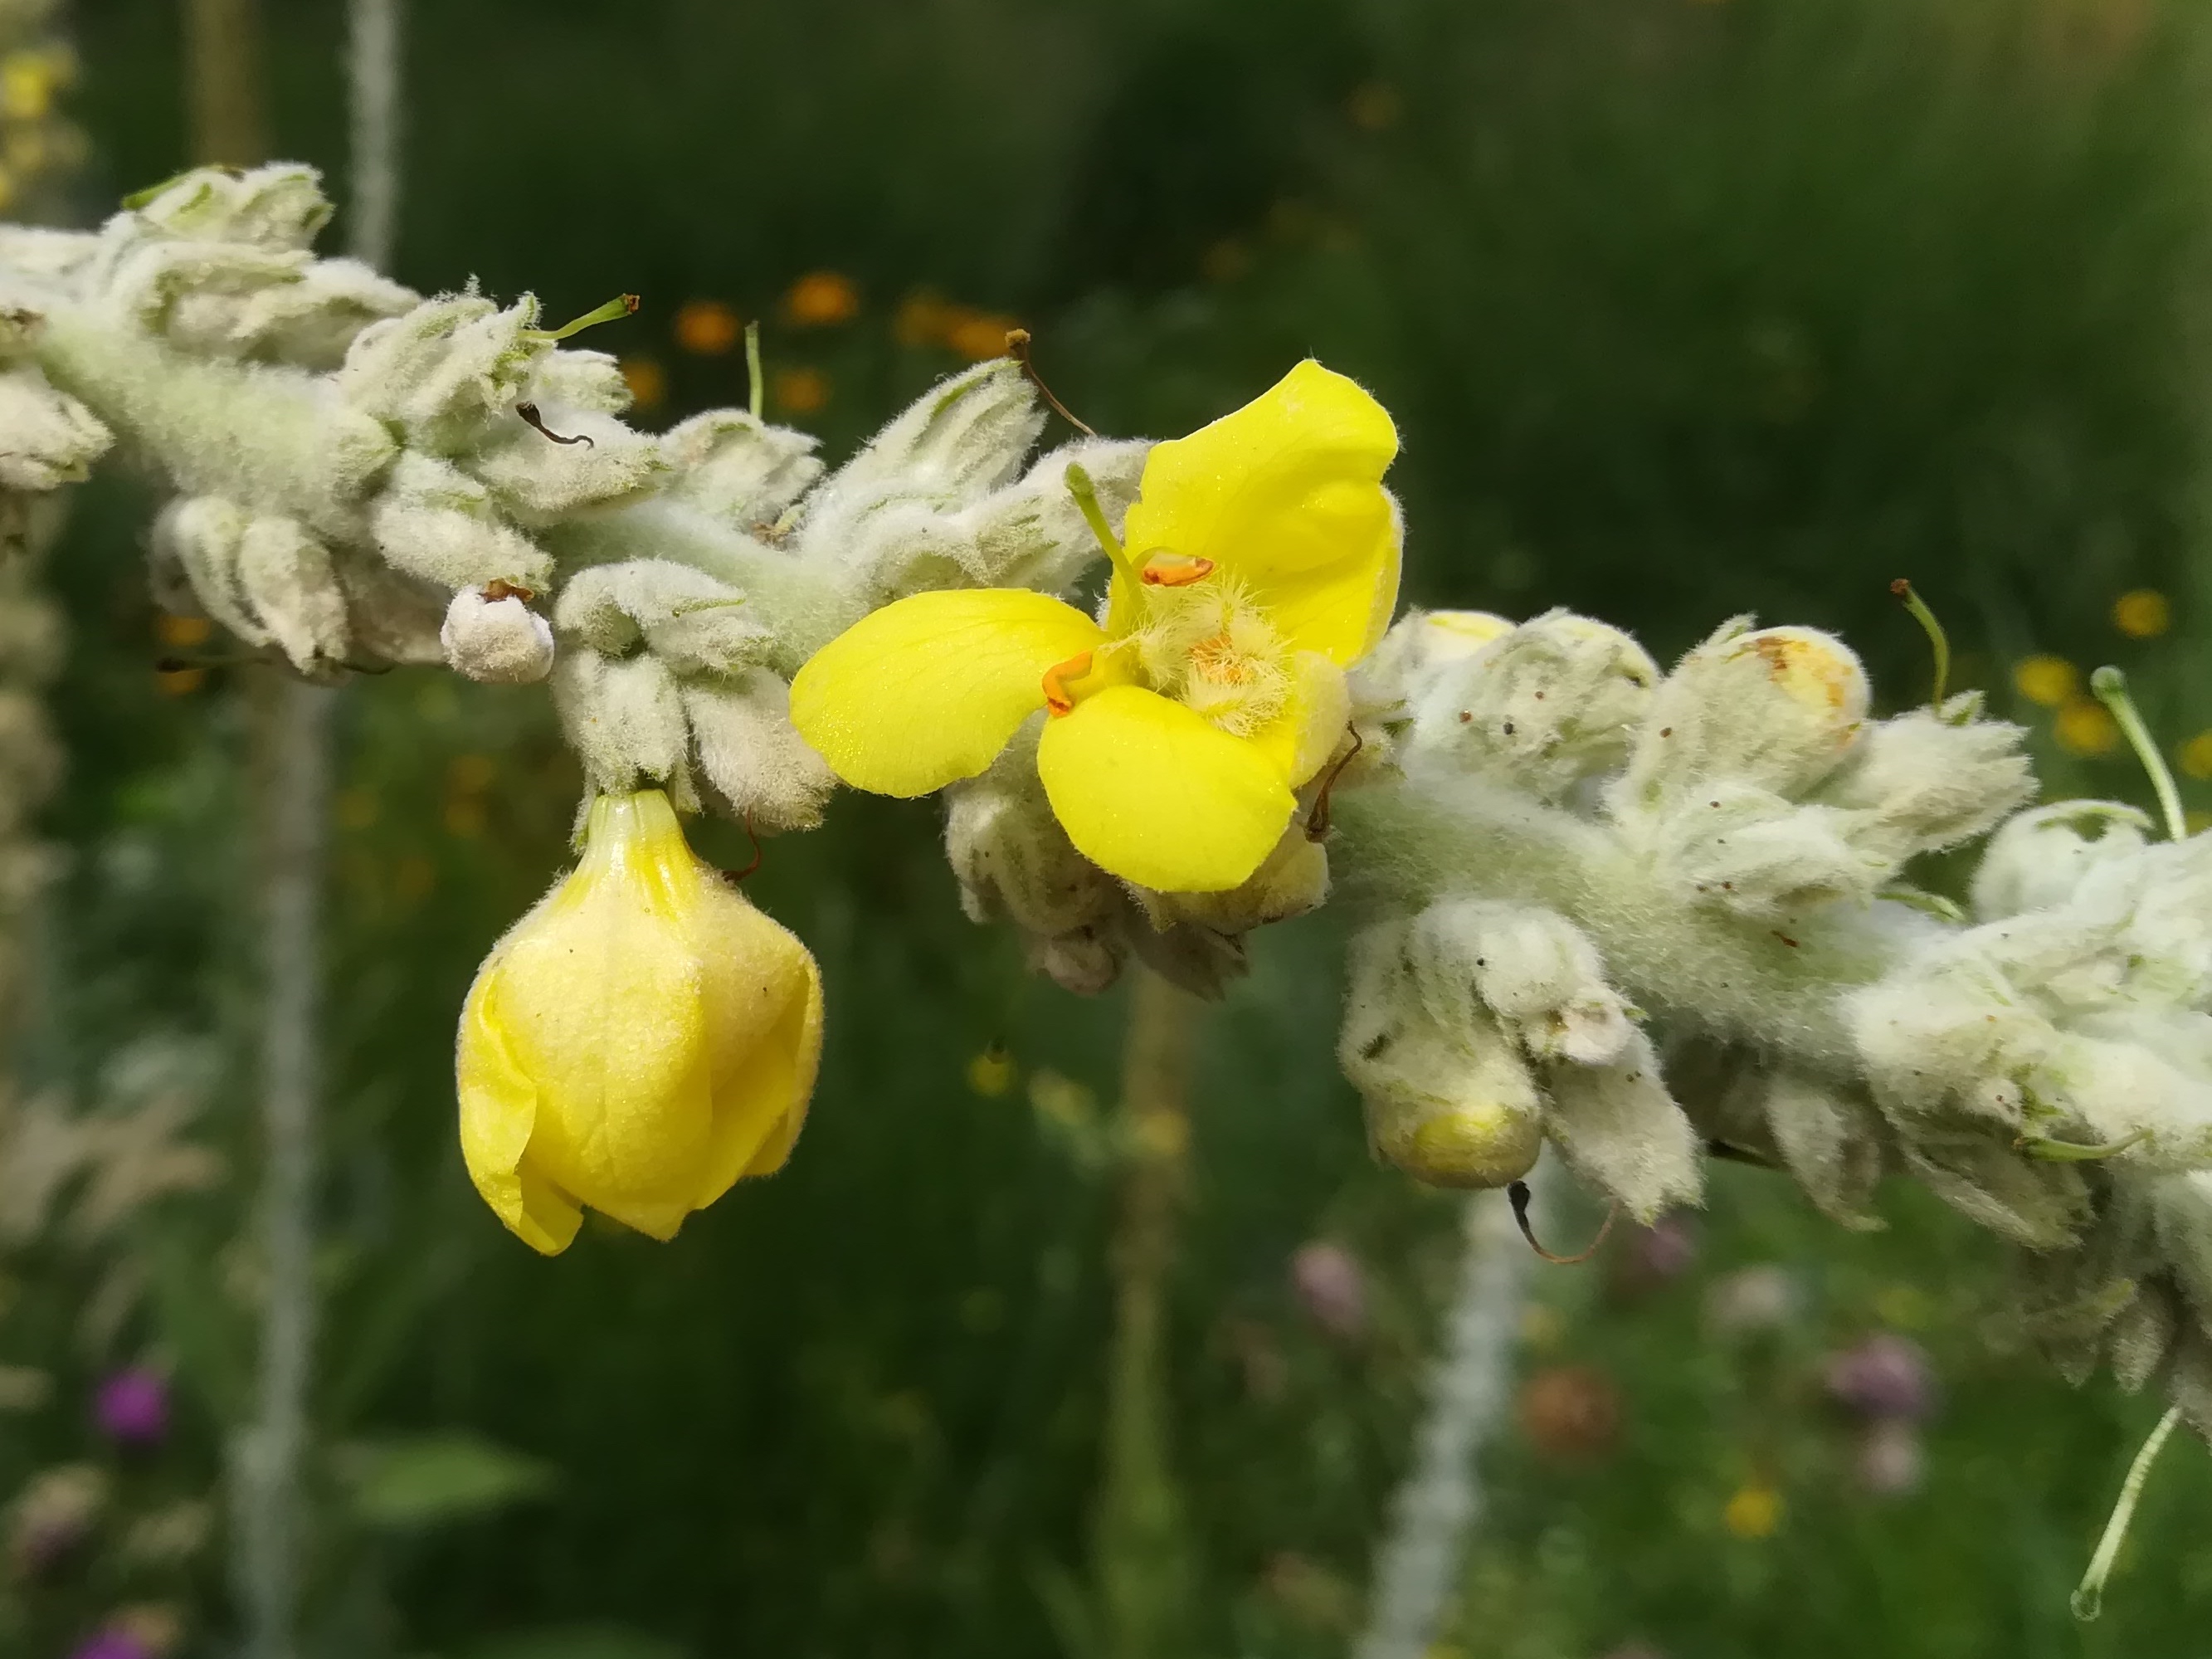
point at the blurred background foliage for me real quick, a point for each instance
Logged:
(1684, 306)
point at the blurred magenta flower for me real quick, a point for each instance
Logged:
(1332, 1287)
(1891, 1461)
(113, 1643)
(132, 1406)
(1886, 1376)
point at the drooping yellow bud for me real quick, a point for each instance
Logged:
(638, 1041)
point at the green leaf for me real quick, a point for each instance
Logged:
(428, 1480)
(577, 1642)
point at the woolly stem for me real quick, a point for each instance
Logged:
(1440, 1498)
(293, 752)
(1140, 1555)
(373, 62)
(1404, 843)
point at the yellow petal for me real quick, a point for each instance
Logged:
(764, 1010)
(1301, 738)
(1159, 796)
(499, 1105)
(1286, 496)
(599, 1000)
(927, 691)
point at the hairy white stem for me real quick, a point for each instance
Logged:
(1441, 1498)
(1780, 987)
(295, 794)
(374, 69)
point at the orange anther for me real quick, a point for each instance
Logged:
(1057, 698)
(1175, 570)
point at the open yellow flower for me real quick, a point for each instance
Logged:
(1259, 560)
(637, 1042)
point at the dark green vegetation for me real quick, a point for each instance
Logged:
(1683, 308)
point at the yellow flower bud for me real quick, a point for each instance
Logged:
(637, 1042)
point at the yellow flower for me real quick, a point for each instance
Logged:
(637, 1042)
(2050, 681)
(1754, 1512)
(2197, 757)
(2085, 728)
(2143, 614)
(1261, 559)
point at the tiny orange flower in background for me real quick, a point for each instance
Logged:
(820, 298)
(2050, 681)
(2143, 614)
(648, 382)
(801, 391)
(707, 328)
(2196, 756)
(977, 335)
(2085, 728)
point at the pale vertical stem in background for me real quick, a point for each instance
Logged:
(1470, 1390)
(374, 60)
(1141, 1566)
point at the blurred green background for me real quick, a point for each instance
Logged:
(1685, 307)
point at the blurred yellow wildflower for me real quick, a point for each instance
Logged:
(2143, 614)
(637, 1042)
(648, 382)
(1260, 560)
(2085, 729)
(707, 328)
(2196, 755)
(2047, 680)
(821, 298)
(991, 1073)
(1754, 1512)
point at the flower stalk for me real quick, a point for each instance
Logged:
(1142, 1569)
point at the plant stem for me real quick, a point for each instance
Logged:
(1141, 1559)
(373, 62)
(292, 746)
(1441, 1498)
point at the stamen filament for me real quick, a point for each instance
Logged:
(1057, 698)
(756, 379)
(2088, 1600)
(1086, 501)
(622, 305)
(1936, 637)
(2111, 688)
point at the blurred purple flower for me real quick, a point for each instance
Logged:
(1885, 1376)
(1890, 1460)
(132, 1406)
(1332, 1288)
(113, 1642)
